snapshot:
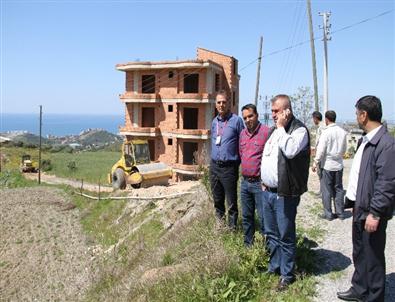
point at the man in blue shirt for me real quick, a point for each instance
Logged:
(225, 160)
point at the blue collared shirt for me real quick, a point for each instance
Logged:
(229, 129)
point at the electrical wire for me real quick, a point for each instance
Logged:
(317, 38)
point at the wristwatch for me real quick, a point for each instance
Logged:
(375, 217)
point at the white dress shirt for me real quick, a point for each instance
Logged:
(356, 165)
(331, 148)
(290, 145)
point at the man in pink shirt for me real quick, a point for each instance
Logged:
(252, 140)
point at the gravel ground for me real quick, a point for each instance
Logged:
(43, 252)
(335, 250)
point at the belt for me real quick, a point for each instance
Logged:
(252, 178)
(271, 190)
(224, 163)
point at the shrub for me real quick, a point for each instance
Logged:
(46, 165)
(72, 166)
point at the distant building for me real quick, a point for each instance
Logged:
(4, 139)
(172, 104)
(353, 136)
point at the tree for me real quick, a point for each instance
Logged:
(303, 105)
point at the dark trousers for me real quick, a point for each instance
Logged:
(369, 261)
(223, 180)
(251, 199)
(332, 187)
(279, 215)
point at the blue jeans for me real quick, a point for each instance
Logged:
(251, 199)
(279, 215)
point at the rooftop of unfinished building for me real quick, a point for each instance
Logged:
(212, 51)
(173, 64)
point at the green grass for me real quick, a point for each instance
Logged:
(14, 179)
(90, 166)
(240, 279)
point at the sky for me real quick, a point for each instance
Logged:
(62, 54)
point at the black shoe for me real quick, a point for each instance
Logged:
(283, 284)
(349, 295)
(322, 216)
(341, 216)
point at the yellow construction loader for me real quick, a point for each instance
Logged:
(27, 165)
(135, 167)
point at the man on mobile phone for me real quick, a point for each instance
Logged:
(284, 173)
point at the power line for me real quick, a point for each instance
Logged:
(320, 37)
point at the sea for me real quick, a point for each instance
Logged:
(59, 124)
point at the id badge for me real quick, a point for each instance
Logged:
(218, 141)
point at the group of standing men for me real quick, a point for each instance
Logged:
(275, 167)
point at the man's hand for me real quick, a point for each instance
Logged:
(371, 224)
(283, 117)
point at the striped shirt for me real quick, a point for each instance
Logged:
(251, 148)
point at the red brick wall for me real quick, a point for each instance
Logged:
(129, 81)
(231, 82)
(164, 86)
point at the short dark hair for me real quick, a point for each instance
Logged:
(330, 115)
(224, 93)
(250, 106)
(317, 115)
(372, 106)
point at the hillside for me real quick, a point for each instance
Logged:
(89, 137)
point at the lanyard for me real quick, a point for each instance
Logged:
(223, 129)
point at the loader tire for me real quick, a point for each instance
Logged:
(136, 186)
(118, 179)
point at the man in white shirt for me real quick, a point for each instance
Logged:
(284, 174)
(319, 127)
(319, 123)
(329, 156)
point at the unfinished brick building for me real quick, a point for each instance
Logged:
(172, 103)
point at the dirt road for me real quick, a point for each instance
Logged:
(43, 251)
(54, 180)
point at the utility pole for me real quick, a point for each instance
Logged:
(39, 148)
(258, 71)
(313, 55)
(266, 112)
(326, 32)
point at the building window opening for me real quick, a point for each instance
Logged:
(148, 117)
(234, 98)
(151, 146)
(171, 74)
(190, 150)
(217, 82)
(191, 83)
(170, 108)
(170, 142)
(148, 83)
(235, 67)
(191, 118)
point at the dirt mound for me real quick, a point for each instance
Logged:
(43, 252)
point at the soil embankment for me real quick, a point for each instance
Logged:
(43, 251)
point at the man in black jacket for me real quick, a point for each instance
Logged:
(371, 191)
